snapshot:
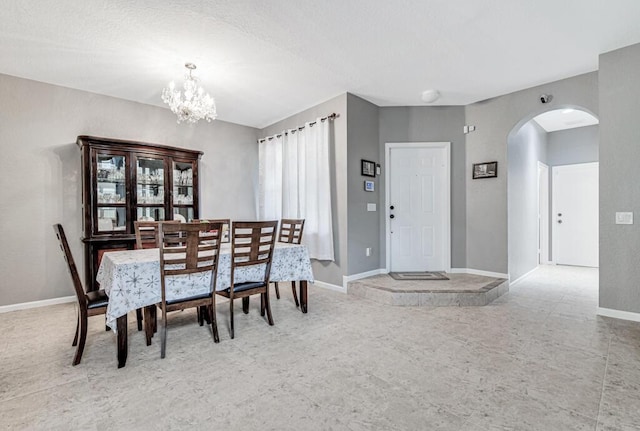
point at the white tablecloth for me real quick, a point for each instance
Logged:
(131, 278)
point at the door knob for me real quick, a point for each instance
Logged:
(559, 214)
(392, 216)
(391, 207)
(559, 221)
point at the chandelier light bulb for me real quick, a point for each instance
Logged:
(196, 105)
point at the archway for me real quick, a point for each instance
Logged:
(538, 145)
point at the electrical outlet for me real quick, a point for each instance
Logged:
(624, 218)
(368, 251)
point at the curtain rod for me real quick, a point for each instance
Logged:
(331, 116)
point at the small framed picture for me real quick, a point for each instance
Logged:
(485, 170)
(368, 168)
(369, 186)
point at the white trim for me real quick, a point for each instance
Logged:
(353, 277)
(618, 314)
(446, 246)
(35, 304)
(522, 277)
(478, 272)
(544, 220)
(330, 286)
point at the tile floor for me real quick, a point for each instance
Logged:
(537, 358)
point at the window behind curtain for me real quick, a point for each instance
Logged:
(295, 182)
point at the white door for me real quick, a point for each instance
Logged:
(418, 225)
(575, 214)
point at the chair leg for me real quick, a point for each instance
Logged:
(148, 324)
(267, 304)
(295, 295)
(214, 323)
(139, 318)
(262, 304)
(245, 305)
(231, 316)
(163, 334)
(154, 317)
(82, 320)
(75, 338)
(200, 316)
(277, 291)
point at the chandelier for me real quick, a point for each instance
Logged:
(193, 104)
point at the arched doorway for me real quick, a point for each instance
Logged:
(542, 147)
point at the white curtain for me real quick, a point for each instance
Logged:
(295, 182)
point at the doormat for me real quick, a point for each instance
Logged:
(428, 275)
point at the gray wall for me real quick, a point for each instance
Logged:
(39, 124)
(567, 147)
(495, 119)
(525, 149)
(329, 272)
(364, 226)
(429, 124)
(619, 87)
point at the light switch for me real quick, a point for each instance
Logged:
(624, 218)
(371, 207)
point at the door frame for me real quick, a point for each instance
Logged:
(446, 197)
(554, 211)
(544, 218)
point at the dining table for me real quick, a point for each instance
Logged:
(131, 279)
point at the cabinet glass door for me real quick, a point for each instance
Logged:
(183, 199)
(150, 189)
(111, 192)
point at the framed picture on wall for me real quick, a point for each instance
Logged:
(485, 170)
(368, 168)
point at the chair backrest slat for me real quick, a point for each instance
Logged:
(148, 232)
(291, 231)
(226, 227)
(73, 270)
(189, 248)
(252, 244)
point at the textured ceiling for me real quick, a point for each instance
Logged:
(266, 60)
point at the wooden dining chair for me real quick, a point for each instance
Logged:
(290, 232)
(226, 227)
(252, 244)
(89, 304)
(148, 233)
(147, 236)
(225, 238)
(189, 255)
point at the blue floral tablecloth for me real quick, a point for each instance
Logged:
(131, 278)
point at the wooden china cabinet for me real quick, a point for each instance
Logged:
(124, 181)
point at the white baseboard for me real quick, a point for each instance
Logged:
(618, 314)
(330, 286)
(522, 277)
(478, 272)
(347, 278)
(35, 304)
